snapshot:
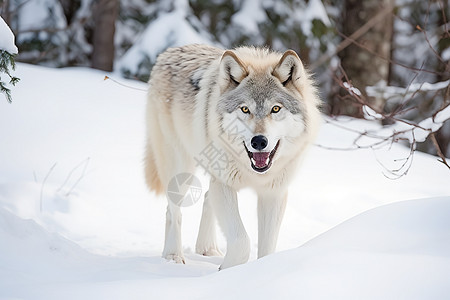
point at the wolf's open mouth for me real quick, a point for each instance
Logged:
(261, 161)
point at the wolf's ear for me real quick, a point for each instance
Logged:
(289, 69)
(231, 71)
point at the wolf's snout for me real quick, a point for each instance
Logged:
(259, 142)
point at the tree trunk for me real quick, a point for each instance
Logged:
(6, 14)
(70, 8)
(362, 63)
(443, 135)
(105, 14)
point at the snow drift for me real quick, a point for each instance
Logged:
(398, 251)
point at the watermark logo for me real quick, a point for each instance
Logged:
(233, 135)
(214, 159)
(184, 189)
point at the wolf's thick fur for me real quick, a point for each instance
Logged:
(196, 94)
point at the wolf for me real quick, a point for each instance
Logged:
(257, 110)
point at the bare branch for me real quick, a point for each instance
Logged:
(438, 149)
(124, 85)
(354, 36)
(86, 163)
(43, 184)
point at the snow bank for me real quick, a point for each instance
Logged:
(7, 38)
(398, 251)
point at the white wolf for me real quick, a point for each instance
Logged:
(256, 111)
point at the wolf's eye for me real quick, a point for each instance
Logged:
(275, 109)
(245, 110)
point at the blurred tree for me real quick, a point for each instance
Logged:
(367, 62)
(300, 25)
(417, 84)
(64, 32)
(443, 135)
(105, 15)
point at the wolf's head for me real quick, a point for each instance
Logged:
(268, 106)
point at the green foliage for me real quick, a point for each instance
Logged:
(7, 62)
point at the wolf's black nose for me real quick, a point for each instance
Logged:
(259, 142)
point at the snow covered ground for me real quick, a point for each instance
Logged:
(76, 220)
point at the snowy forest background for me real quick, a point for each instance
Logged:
(76, 218)
(387, 59)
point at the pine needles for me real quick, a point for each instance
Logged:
(7, 63)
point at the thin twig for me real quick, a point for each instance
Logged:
(79, 178)
(354, 36)
(124, 85)
(438, 150)
(71, 173)
(390, 60)
(429, 44)
(42, 186)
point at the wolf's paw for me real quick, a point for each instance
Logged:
(210, 252)
(179, 259)
(238, 252)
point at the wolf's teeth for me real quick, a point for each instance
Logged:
(267, 160)
(253, 161)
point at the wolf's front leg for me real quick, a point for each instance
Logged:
(271, 207)
(172, 244)
(206, 240)
(224, 200)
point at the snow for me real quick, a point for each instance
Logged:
(168, 30)
(369, 113)
(46, 13)
(252, 13)
(389, 92)
(446, 54)
(432, 124)
(7, 38)
(400, 250)
(442, 115)
(351, 89)
(414, 133)
(176, 24)
(314, 11)
(77, 222)
(408, 130)
(249, 16)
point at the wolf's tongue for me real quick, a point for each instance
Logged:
(260, 159)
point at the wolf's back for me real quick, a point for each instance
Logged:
(173, 87)
(178, 71)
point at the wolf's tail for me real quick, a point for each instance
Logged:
(151, 172)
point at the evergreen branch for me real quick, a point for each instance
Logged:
(6, 63)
